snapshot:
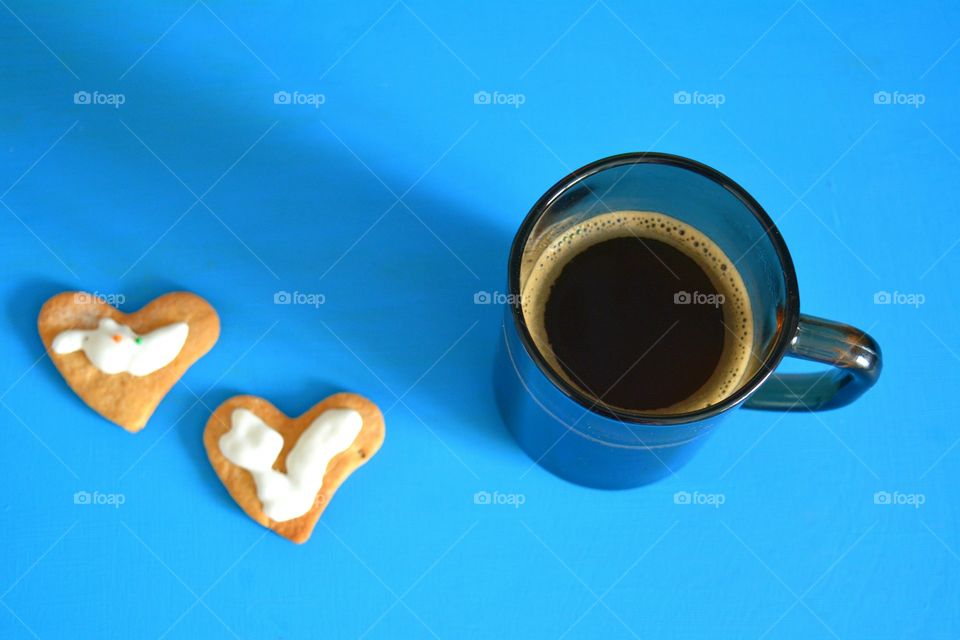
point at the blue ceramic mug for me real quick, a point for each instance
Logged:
(589, 442)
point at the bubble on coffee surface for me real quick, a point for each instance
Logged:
(735, 359)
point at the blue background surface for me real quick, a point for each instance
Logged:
(397, 199)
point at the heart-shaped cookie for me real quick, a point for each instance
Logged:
(283, 471)
(122, 365)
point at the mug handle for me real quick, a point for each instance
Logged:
(854, 355)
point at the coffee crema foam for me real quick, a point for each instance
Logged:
(543, 270)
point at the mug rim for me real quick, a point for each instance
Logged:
(782, 342)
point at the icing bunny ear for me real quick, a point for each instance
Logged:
(158, 348)
(69, 341)
(250, 443)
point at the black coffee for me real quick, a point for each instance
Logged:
(616, 325)
(641, 312)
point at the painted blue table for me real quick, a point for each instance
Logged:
(378, 157)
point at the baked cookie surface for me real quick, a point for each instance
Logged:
(122, 365)
(283, 459)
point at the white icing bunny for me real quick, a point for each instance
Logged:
(115, 348)
(254, 446)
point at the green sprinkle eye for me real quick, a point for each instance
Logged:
(138, 340)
